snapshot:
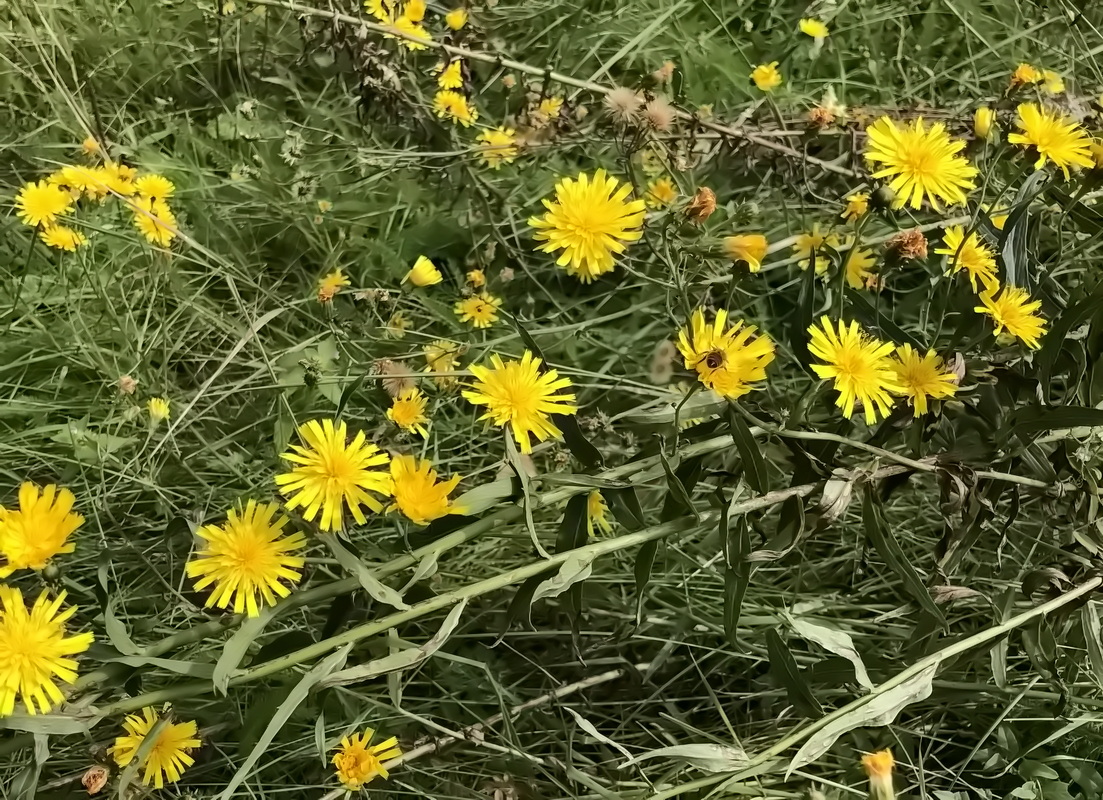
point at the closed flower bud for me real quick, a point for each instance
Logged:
(984, 122)
(878, 767)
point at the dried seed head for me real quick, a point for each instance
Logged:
(506, 275)
(623, 104)
(127, 385)
(820, 117)
(95, 778)
(702, 205)
(396, 377)
(659, 114)
(509, 81)
(908, 245)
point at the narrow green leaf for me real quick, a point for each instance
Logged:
(675, 487)
(785, 670)
(754, 467)
(1037, 419)
(52, 723)
(572, 529)
(347, 393)
(233, 652)
(1013, 252)
(689, 472)
(736, 546)
(371, 584)
(1054, 340)
(798, 331)
(520, 604)
(1089, 620)
(116, 631)
(873, 318)
(574, 570)
(487, 495)
(645, 562)
(576, 441)
(625, 505)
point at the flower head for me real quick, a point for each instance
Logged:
(814, 28)
(1014, 312)
(590, 220)
(476, 278)
(623, 104)
(858, 364)
(1054, 83)
(922, 163)
(497, 147)
(330, 474)
(597, 514)
(660, 193)
(90, 146)
(984, 122)
(414, 10)
(442, 357)
(548, 109)
(971, 256)
(34, 651)
(408, 411)
(856, 206)
(878, 767)
(357, 763)
(1053, 137)
(520, 395)
(922, 377)
(170, 754)
(41, 203)
(1025, 75)
(116, 178)
(451, 77)
(38, 530)
(154, 220)
(727, 360)
(158, 408)
(329, 285)
(456, 18)
(814, 240)
(247, 558)
(417, 494)
(907, 245)
(79, 179)
(155, 186)
(857, 265)
(480, 310)
(413, 36)
(452, 105)
(766, 76)
(750, 248)
(423, 273)
(62, 237)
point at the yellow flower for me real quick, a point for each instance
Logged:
(331, 284)
(456, 18)
(597, 514)
(62, 237)
(330, 474)
(590, 220)
(749, 248)
(858, 364)
(998, 219)
(451, 77)
(414, 10)
(550, 107)
(1014, 312)
(921, 377)
(382, 10)
(157, 186)
(246, 557)
(357, 763)
(158, 408)
(325, 206)
(41, 203)
(476, 278)
(480, 310)
(984, 122)
(518, 394)
(856, 265)
(661, 193)
(396, 326)
(442, 357)
(90, 146)
(170, 755)
(34, 651)
(117, 178)
(766, 76)
(922, 163)
(450, 104)
(1054, 84)
(39, 529)
(726, 360)
(154, 220)
(1025, 75)
(814, 28)
(498, 146)
(1053, 137)
(415, 36)
(78, 179)
(408, 411)
(416, 492)
(857, 205)
(971, 256)
(814, 240)
(878, 767)
(423, 273)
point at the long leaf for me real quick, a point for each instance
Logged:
(1055, 338)
(233, 652)
(750, 455)
(785, 670)
(371, 584)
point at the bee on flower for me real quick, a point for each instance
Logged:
(480, 311)
(728, 360)
(922, 377)
(855, 206)
(452, 105)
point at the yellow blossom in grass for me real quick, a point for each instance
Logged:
(1054, 83)
(423, 273)
(79, 180)
(152, 185)
(357, 762)
(442, 357)
(476, 278)
(550, 107)
(62, 237)
(597, 514)
(396, 326)
(117, 179)
(247, 559)
(452, 105)
(922, 377)
(417, 494)
(660, 193)
(971, 256)
(34, 651)
(456, 18)
(414, 10)
(998, 219)
(408, 412)
(750, 248)
(330, 473)
(158, 408)
(1025, 75)
(497, 147)
(38, 530)
(90, 146)
(858, 364)
(331, 284)
(170, 755)
(984, 122)
(1014, 312)
(414, 36)
(921, 163)
(591, 220)
(857, 264)
(856, 206)
(41, 203)
(878, 767)
(766, 76)
(727, 360)
(480, 310)
(1052, 137)
(814, 28)
(451, 77)
(814, 240)
(519, 394)
(383, 10)
(154, 220)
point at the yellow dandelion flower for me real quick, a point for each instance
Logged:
(476, 278)
(1052, 137)
(520, 395)
(383, 10)
(814, 240)
(34, 651)
(1053, 82)
(456, 18)
(878, 767)
(1025, 75)
(169, 756)
(247, 558)
(984, 122)
(41, 203)
(1014, 312)
(727, 360)
(78, 180)
(90, 146)
(158, 408)
(857, 264)
(442, 357)
(423, 273)
(62, 237)
(597, 514)
(814, 28)
(154, 220)
(156, 186)
(451, 77)
(396, 326)
(856, 206)
(117, 178)
(414, 36)
(971, 256)
(497, 147)
(750, 248)
(660, 193)
(357, 763)
(766, 76)
(325, 206)
(922, 377)
(858, 364)
(414, 10)
(922, 163)
(38, 530)
(479, 310)
(590, 220)
(331, 284)
(330, 474)
(417, 494)
(452, 105)
(408, 412)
